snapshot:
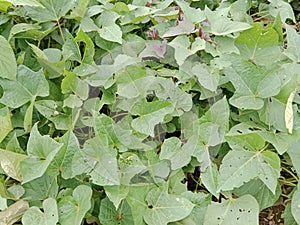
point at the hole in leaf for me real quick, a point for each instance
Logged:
(237, 218)
(239, 131)
(150, 206)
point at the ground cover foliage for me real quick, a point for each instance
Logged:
(149, 112)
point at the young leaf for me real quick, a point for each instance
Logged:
(243, 210)
(49, 217)
(241, 166)
(41, 151)
(8, 62)
(72, 209)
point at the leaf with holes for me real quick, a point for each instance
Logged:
(240, 166)
(164, 208)
(243, 210)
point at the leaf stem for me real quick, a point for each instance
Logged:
(60, 31)
(290, 173)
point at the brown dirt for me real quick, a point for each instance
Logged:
(271, 216)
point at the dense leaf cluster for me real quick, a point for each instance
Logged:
(108, 109)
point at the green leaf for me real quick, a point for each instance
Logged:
(287, 215)
(62, 163)
(209, 178)
(101, 159)
(165, 89)
(259, 43)
(206, 77)
(293, 42)
(72, 84)
(221, 25)
(28, 118)
(281, 141)
(183, 27)
(10, 163)
(8, 62)
(191, 13)
(136, 199)
(105, 126)
(49, 109)
(41, 188)
(49, 60)
(243, 210)
(184, 48)
(294, 153)
(295, 205)
(130, 166)
(41, 151)
(5, 123)
(25, 2)
(164, 208)
(89, 50)
(34, 215)
(260, 192)
(150, 114)
(109, 215)
(133, 82)
(70, 49)
(25, 88)
(111, 33)
(116, 194)
(49, 10)
(282, 8)
(105, 74)
(72, 209)
(171, 150)
(246, 136)
(241, 166)
(252, 83)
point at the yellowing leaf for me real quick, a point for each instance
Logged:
(289, 115)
